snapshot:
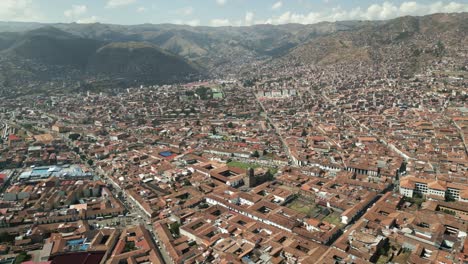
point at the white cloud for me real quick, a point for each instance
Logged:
(221, 2)
(410, 8)
(118, 3)
(451, 7)
(19, 10)
(88, 20)
(386, 10)
(249, 16)
(220, 22)
(76, 11)
(277, 5)
(186, 11)
(193, 22)
(142, 9)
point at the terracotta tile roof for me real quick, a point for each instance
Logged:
(437, 185)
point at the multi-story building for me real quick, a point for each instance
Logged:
(409, 186)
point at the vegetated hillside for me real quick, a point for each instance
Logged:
(410, 40)
(51, 46)
(213, 47)
(210, 46)
(51, 53)
(7, 39)
(141, 61)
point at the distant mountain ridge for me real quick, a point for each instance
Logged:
(414, 39)
(139, 60)
(176, 53)
(208, 46)
(60, 53)
(52, 46)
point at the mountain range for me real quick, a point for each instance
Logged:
(410, 39)
(175, 53)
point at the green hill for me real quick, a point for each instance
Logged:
(139, 60)
(49, 53)
(51, 46)
(172, 52)
(413, 41)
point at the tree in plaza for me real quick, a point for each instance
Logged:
(256, 154)
(74, 136)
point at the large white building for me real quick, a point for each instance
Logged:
(409, 186)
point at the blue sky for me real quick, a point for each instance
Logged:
(218, 12)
